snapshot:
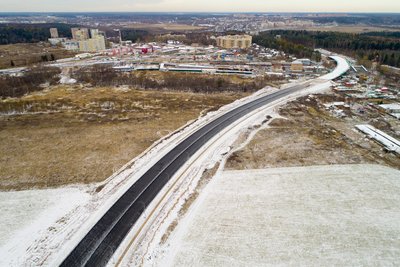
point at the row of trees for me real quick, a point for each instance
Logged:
(383, 48)
(15, 86)
(101, 75)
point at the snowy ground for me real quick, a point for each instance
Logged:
(302, 216)
(52, 243)
(25, 215)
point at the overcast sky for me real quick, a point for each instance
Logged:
(203, 5)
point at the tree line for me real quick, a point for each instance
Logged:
(102, 75)
(30, 81)
(368, 19)
(384, 49)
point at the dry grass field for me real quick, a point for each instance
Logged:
(27, 54)
(67, 135)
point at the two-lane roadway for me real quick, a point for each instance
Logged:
(100, 243)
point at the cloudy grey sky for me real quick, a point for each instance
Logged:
(203, 5)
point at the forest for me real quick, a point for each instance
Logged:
(352, 19)
(383, 48)
(31, 33)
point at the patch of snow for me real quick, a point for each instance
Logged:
(67, 80)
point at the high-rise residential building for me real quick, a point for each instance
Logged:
(53, 33)
(95, 44)
(80, 34)
(94, 33)
(234, 41)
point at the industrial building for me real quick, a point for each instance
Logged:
(234, 41)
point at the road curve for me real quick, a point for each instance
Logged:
(100, 243)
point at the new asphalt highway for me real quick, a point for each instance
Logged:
(100, 243)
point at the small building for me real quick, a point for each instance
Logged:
(304, 61)
(392, 109)
(71, 45)
(277, 67)
(56, 41)
(296, 66)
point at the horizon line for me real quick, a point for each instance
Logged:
(216, 12)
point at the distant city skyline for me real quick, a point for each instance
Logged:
(389, 6)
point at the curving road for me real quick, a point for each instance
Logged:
(100, 243)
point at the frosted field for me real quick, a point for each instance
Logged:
(26, 215)
(302, 216)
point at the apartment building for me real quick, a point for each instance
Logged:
(80, 34)
(234, 41)
(95, 44)
(53, 33)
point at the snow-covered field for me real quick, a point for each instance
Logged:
(300, 216)
(26, 215)
(48, 244)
